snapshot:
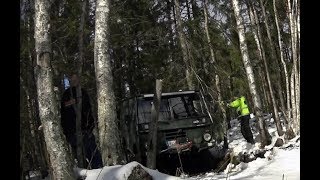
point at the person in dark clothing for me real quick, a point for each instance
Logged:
(244, 117)
(68, 122)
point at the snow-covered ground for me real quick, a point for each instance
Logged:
(279, 162)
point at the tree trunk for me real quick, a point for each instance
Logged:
(184, 48)
(109, 136)
(48, 106)
(297, 65)
(81, 35)
(282, 103)
(37, 158)
(195, 10)
(296, 86)
(30, 90)
(153, 132)
(259, 42)
(265, 95)
(188, 9)
(78, 107)
(213, 61)
(264, 134)
(282, 61)
(293, 102)
(271, 43)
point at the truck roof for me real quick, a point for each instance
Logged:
(169, 94)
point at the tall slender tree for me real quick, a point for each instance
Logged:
(109, 136)
(264, 134)
(295, 93)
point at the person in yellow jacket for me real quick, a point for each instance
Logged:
(244, 116)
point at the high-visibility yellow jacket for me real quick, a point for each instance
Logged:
(241, 105)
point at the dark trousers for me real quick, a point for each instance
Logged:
(245, 128)
(90, 148)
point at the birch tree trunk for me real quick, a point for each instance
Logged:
(48, 106)
(264, 134)
(109, 136)
(153, 132)
(184, 47)
(293, 102)
(259, 42)
(297, 66)
(31, 92)
(296, 86)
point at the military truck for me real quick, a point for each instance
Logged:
(184, 124)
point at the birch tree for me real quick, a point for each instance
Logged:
(109, 136)
(264, 134)
(295, 88)
(48, 106)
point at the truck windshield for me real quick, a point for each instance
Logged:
(170, 109)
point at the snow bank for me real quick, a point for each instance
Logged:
(121, 172)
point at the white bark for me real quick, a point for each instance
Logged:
(294, 88)
(293, 101)
(109, 137)
(48, 106)
(297, 68)
(264, 134)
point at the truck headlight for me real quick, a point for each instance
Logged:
(206, 136)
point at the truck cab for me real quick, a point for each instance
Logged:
(184, 124)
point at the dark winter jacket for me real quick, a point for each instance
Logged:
(68, 114)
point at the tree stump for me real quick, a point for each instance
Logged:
(138, 173)
(279, 142)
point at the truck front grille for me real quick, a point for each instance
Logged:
(175, 134)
